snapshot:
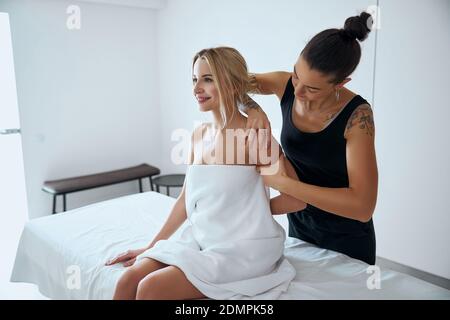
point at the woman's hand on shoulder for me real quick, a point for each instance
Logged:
(268, 83)
(259, 129)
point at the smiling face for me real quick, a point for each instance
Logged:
(309, 84)
(205, 90)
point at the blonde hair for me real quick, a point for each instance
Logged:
(231, 77)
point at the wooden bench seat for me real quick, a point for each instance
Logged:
(74, 184)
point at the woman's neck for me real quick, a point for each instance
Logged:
(235, 120)
(321, 106)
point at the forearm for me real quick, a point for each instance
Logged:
(344, 202)
(284, 203)
(176, 218)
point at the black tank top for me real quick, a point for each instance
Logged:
(320, 159)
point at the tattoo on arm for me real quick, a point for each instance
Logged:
(363, 118)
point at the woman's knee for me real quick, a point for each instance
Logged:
(129, 279)
(150, 288)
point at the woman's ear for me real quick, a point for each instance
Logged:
(342, 83)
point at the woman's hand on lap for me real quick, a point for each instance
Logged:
(128, 258)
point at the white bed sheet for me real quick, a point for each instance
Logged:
(54, 250)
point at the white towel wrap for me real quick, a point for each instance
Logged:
(231, 247)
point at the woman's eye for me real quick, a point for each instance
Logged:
(208, 79)
(312, 90)
(194, 80)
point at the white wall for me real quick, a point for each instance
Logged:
(412, 109)
(88, 99)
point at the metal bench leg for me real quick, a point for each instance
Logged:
(54, 204)
(168, 191)
(151, 183)
(64, 202)
(140, 185)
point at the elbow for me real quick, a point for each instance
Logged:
(365, 217)
(364, 207)
(301, 205)
(365, 213)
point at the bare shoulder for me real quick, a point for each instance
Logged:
(273, 82)
(360, 122)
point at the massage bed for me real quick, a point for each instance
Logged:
(64, 256)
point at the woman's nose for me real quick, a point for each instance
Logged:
(299, 90)
(197, 88)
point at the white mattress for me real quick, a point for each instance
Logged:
(54, 250)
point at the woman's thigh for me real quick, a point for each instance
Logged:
(167, 283)
(144, 267)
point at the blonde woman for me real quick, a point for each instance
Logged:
(231, 247)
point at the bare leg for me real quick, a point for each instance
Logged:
(168, 283)
(127, 285)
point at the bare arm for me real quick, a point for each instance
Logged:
(285, 203)
(282, 203)
(271, 82)
(266, 83)
(173, 222)
(359, 199)
(178, 213)
(175, 219)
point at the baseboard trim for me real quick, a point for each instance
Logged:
(423, 275)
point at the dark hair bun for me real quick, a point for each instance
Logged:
(358, 27)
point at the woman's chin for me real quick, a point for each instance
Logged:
(204, 108)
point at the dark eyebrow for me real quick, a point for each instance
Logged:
(295, 72)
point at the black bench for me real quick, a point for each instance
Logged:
(74, 184)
